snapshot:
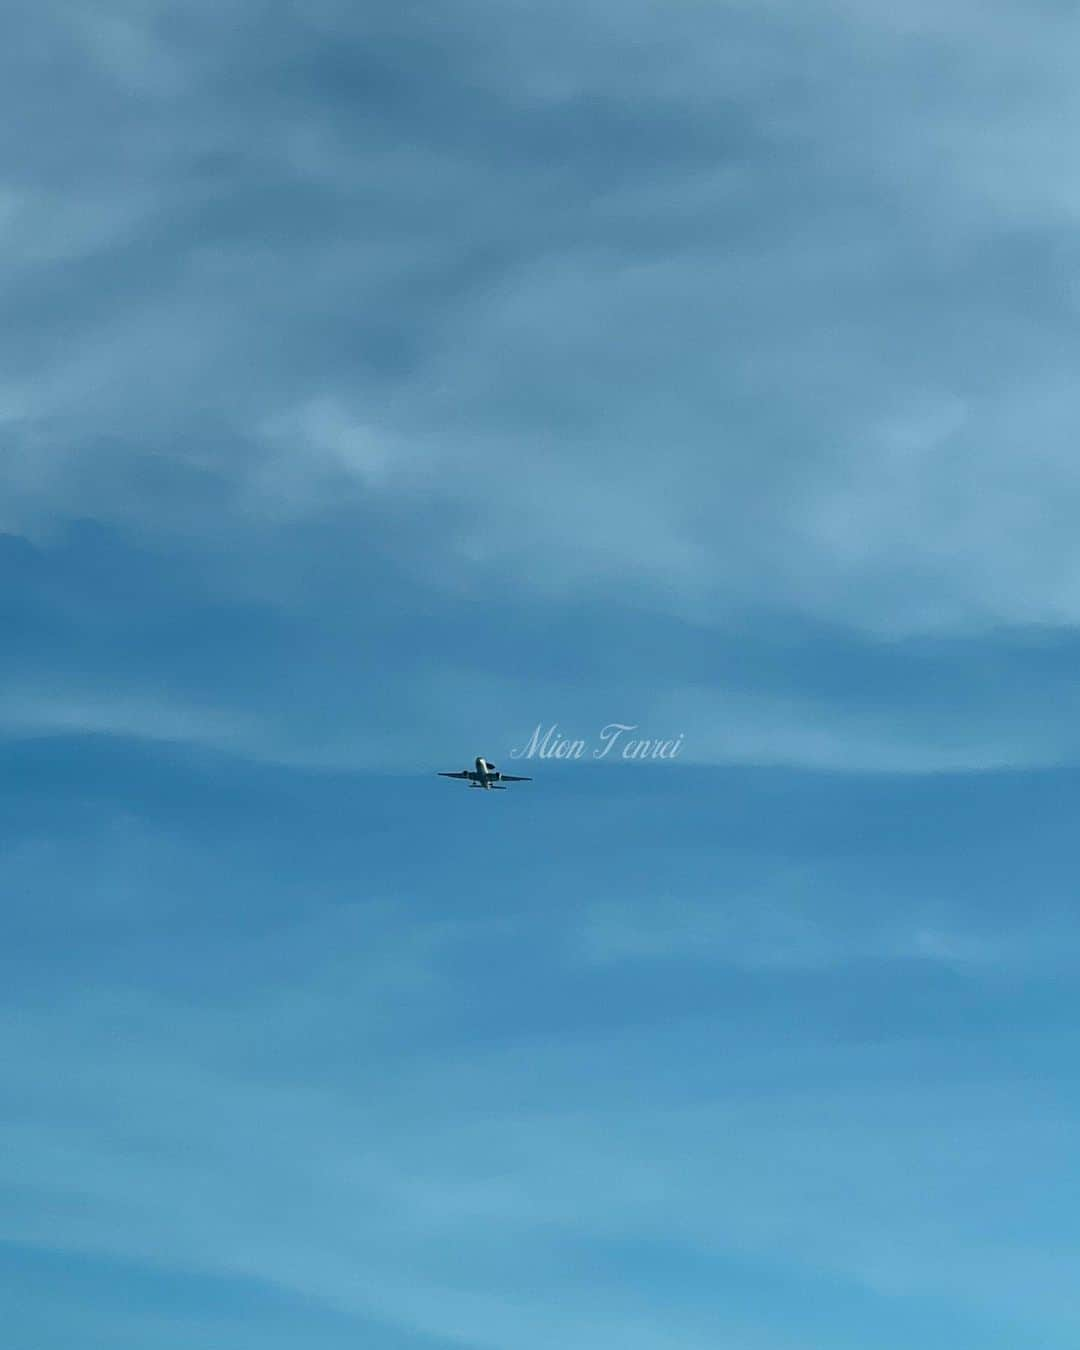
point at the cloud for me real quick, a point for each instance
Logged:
(776, 932)
(168, 1156)
(58, 715)
(112, 635)
(382, 381)
(673, 1066)
(732, 307)
(689, 325)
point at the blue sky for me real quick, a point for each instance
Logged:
(381, 382)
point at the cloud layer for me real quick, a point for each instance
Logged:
(379, 383)
(735, 307)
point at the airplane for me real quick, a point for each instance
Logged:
(485, 776)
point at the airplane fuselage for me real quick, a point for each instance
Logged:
(485, 775)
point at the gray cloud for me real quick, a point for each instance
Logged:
(643, 336)
(732, 306)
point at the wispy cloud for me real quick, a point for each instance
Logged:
(771, 931)
(168, 1155)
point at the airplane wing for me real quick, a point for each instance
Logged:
(463, 774)
(509, 778)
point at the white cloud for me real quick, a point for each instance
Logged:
(59, 713)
